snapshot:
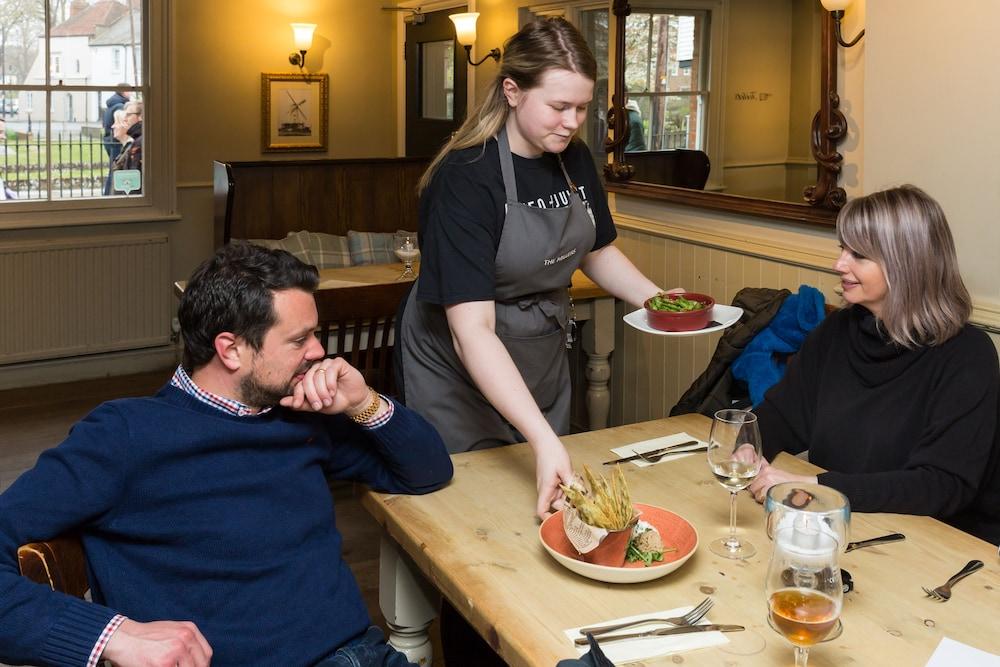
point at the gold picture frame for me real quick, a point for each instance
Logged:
(294, 112)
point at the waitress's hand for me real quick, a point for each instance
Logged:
(552, 468)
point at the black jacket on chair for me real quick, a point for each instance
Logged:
(715, 389)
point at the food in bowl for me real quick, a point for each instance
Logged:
(646, 545)
(687, 311)
(601, 503)
(675, 303)
(600, 517)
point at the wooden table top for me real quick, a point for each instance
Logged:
(477, 542)
(377, 274)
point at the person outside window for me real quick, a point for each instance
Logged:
(112, 147)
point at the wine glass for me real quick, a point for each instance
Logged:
(804, 587)
(406, 248)
(735, 458)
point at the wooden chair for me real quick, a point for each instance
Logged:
(58, 563)
(359, 325)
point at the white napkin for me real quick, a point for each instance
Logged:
(950, 652)
(658, 443)
(632, 650)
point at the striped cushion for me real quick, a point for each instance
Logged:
(370, 247)
(329, 250)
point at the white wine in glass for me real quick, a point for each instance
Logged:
(407, 250)
(734, 457)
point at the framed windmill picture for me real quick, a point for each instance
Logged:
(295, 112)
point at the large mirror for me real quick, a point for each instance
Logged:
(715, 104)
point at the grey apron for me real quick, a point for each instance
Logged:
(539, 250)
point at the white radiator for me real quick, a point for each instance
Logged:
(77, 296)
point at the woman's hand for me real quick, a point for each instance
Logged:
(769, 476)
(552, 467)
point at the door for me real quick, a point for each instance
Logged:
(435, 83)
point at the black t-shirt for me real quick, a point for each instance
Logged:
(462, 214)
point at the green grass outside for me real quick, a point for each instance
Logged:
(33, 157)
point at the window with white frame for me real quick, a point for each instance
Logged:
(59, 153)
(666, 77)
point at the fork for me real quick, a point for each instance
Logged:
(943, 592)
(690, 618)
(655, 457)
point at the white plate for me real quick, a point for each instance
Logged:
(726, 316)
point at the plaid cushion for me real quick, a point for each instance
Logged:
(298, 243)
(370, 247)
(329, 250)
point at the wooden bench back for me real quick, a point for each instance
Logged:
(268, 199)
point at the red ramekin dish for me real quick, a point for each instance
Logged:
(691, 320)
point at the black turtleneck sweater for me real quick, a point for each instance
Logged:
(905, 431)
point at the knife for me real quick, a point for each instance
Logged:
(664, 632)
(895, 537)
(653, 452)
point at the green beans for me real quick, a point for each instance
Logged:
(674, 303)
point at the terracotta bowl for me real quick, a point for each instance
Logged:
(675, 530)
(691, 320)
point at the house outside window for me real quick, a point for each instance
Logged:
(58, 157)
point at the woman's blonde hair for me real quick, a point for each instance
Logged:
(540, 46)
(906, 233)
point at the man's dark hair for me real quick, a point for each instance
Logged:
(233, 291)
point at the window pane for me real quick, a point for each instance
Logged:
(22, 23)
(23, 150)
(672, 121)
(663, 52)
(94, 43)
(437, 73)
(79, 161)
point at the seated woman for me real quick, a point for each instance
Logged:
(895, 395)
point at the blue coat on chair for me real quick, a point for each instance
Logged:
(762, 362)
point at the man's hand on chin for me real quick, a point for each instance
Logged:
(158, 644)
(330, 386)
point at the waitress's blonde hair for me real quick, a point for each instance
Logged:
(542, 45)
(906, 233)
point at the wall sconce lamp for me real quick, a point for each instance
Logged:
(303, 42)
(837, 7)
(465, 32)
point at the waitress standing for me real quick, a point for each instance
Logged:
(509, 209)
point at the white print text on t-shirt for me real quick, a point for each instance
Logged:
(558, 199)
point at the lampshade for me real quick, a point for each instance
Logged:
(835, 5)
(465, 27)
(303, 35)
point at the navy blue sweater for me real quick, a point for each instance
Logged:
(189, 513)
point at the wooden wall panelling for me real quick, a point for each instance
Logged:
(651, 372)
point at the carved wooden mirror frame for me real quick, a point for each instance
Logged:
(820, 201)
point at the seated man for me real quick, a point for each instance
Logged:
(204, 510)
